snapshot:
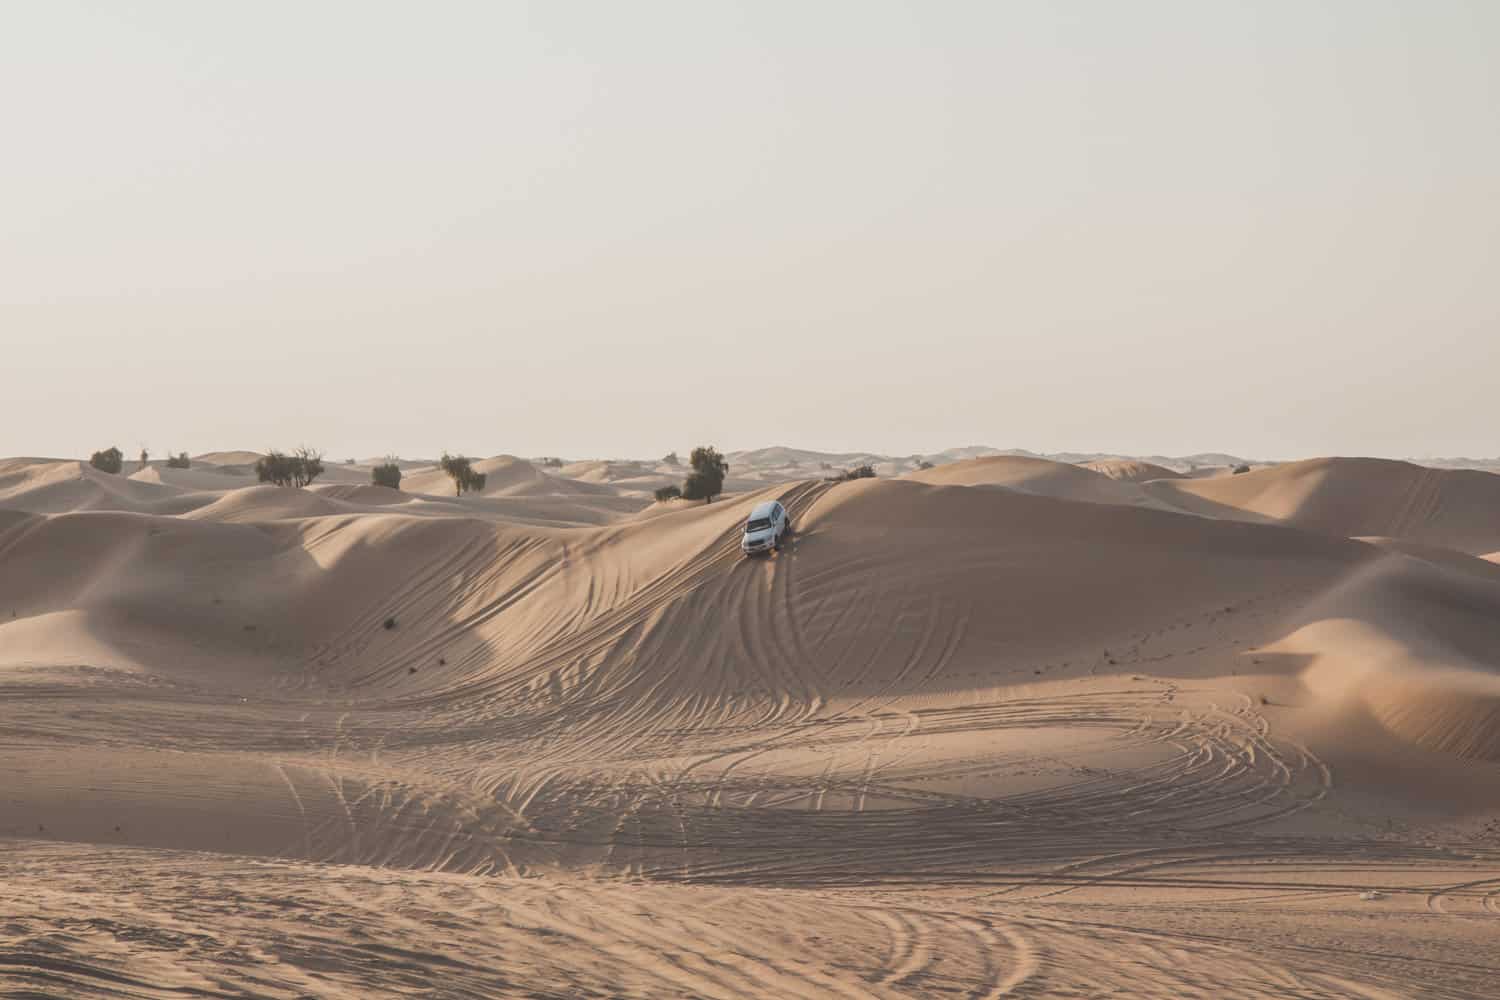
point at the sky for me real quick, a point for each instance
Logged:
(598, 229)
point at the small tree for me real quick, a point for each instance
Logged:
(388, 473)
(145, 457)
(668, 493)
(671, 459)
(307, 465)
(861, 472)
(552, 463)
(461, 470)
(109, 460)
(706, 481)
(179, 460)
(923, 465)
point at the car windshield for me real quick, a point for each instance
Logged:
(758, 524)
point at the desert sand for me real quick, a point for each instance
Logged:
(1005, 726)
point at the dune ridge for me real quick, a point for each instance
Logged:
(1039, 477)
(1131, 470)
(1355, 496)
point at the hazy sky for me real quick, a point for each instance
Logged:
(606, 228)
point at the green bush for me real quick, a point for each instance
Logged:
(179, 460)
(861, 472)
(388, 473)
(668, 493)
(110, 460)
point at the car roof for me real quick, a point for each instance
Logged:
(763, 509)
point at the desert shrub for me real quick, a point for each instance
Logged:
(274, 467)
(668, 493)
(145, 458)
(297, 469)
(387, 473)
(860, 472)
(671, 459)
(109, 460)
(552, 463)
(923, 465)
(179, 460)
(309, 464)
(1241, 469)
(390, 623)
(460, 469)
(706, 481)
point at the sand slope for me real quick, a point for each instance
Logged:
(1038, 477)
(1356, 496)
(950, 741)
(241, 458)
(200, 478)
(599, 471)
(46, 487)
(1413, 642)
(1131, 470)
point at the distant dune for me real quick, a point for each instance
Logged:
(607, 472)
(228, 457)
(201, 477)
(1038, 477)
(54, 487)
(1130, 470)
(1355, 496)
(507, 476)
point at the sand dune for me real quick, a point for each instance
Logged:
(950, 741)
(1039, 477)
(47, 487)
(1131, 470)
(268, 503)
(599, 471)
(506, 476)
(1356, 496)
(202, 477)
(228, 458)
(364, 494)
(1413, 642)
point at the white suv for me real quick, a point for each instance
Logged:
(767, 526)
